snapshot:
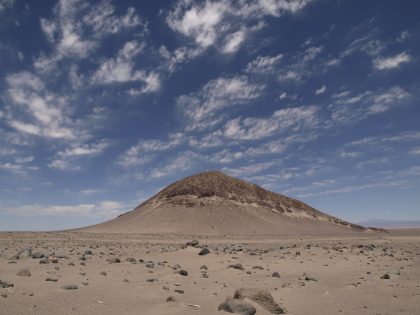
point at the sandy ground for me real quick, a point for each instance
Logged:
(328, 275)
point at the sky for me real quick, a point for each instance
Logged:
(104, 103)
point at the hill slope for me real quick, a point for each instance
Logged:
(212, 203)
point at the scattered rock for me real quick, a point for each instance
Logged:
(261, 297)
(44, 260)
(183, 273)
(24, 273)
(275, 275)
(151, 280)
(50, 279)
(37, 255)
(204, 251)
(114, 261)
(236, 266)
(236, 306)
(69, 287)
(192, 243)
(170, 299)
(6, 284)
(179, 291)
(309, 278)
(386, 276)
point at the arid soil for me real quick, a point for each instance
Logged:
(79, 273)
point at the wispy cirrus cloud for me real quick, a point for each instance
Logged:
(67, 158)
(353, 108)
(283, 120)
(199, 108)
(122, 69)
(6, 4)
(77, 27)
(385, 63)
(225, 24)
(46, 113)
(264, 64)
(103, 209)
(142, 152)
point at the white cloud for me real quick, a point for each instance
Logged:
(84, 149)
(415, 151)
(77, 27)
(379, 140)
(133, 157)
(367, 44)
(249, 169)
(209, 140)
(233, 42)
(6, 4)
(198, 21)
(174, 140)
(301, 65)
(121, 68)
(67, 158)
(151, 84)
(226, 156)
(311, 53)
(103, 209)
(225, 24)
(281, 121)
(290, 75)
(46, 110)
(140, 153)
(184, 161)
(7, 151)
(348, 108)
(321, 90)
(63, 165)
(92, 191)
(103, 20)
(388, 99)
(178, 56)
(285, 95)
(270, 147)
(199, 108)
(391, 62)
(403, 36)
(264, 64)
(16, 164)
(348, 154)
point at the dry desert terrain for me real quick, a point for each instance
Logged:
(88, 273)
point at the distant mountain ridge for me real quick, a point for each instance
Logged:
(213, 203)
(381, 223)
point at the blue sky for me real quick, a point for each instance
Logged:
(104, 103)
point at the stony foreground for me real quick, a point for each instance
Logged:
(74, 273)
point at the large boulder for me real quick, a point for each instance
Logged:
(261, 297)
(237, 306)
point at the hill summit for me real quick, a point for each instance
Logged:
(213, 203)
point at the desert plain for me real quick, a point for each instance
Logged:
(94, 273)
